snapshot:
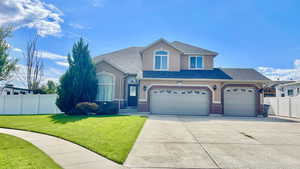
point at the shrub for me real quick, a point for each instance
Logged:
(85, 108)
(108, 108)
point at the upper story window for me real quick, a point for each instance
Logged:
(161, 59)
(195, 62)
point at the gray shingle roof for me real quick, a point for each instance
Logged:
(216, 73)
(244, 74)
(188, 74)
(127, 60)
(187, 48)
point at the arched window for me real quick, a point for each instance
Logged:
(161, 59)
(106, 84)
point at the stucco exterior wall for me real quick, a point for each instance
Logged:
(208, 62)
(174, 57)
(119, 78)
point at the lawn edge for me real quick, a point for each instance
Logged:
(34, 146)
(80, 144)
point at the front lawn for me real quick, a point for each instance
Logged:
(110, 136)
(17, 153)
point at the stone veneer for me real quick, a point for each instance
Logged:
(216, 108)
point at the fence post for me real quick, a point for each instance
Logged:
(21, 104)
(290, 107)
(1, 108)
(277, 101)
(4, 104)
(38, 107)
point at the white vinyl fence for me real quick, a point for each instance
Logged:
(28, 104)
(283, 106)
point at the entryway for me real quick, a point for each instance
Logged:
(132, 95)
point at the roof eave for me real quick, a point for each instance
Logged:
(211, 54)
(194, 79)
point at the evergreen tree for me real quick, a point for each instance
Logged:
(6, 65)
(79, 83)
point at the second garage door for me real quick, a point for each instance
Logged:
(239, 101)
(180, 101)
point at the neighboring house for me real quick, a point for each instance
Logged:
(9, 89)
(270, 88)
(177, 78)
(288, 90)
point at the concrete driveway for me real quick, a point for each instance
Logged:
(216, 142)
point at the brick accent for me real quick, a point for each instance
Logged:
(261, 110)
(143, 107)
(216, 108)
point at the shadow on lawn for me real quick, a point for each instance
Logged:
(63, 119)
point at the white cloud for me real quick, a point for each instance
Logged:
(46, 18)
(78, 26)
(61, 63)
(17, 49)
(282, 74)
(97, 3)
(52, 56)
(58, 59)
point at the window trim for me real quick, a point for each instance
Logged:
(154, 55)
(189, 62)
(113, 85)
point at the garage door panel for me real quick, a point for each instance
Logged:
(175, 101)
(239, 101)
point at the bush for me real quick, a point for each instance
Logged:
(108, 108)
(84, 108)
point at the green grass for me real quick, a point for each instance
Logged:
(16, 153)
(109, 136)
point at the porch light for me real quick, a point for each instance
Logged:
(145, 87)
(215, 87)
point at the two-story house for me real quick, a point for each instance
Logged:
(177, 78)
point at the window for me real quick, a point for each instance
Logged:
(132, 91)
(195, 62)
(298, 91)
(290, 92)
(161, 60)
(105, 87)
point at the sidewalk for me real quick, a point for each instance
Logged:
(68, 155)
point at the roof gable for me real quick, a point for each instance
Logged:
(190, 49)
(161, 40)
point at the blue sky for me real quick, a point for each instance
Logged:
(246, 33)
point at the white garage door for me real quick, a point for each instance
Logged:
(239, 101)
(179, 101)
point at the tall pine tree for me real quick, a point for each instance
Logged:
(79, 83)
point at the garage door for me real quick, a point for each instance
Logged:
(179, 101)
(239, 101)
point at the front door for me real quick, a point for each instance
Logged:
(132, 95)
